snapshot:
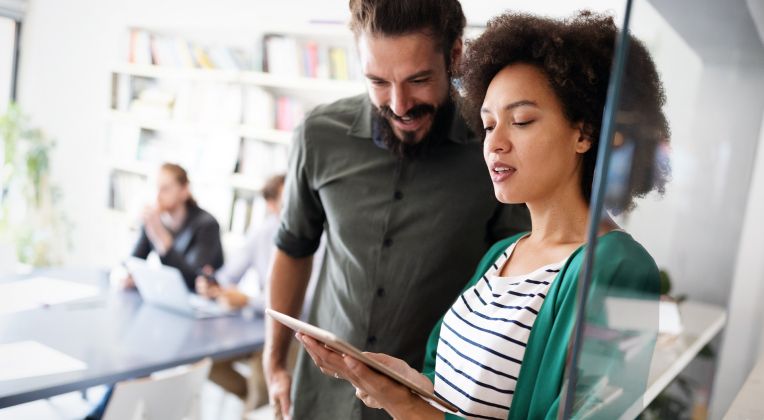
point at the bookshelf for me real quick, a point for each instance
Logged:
(223, 111)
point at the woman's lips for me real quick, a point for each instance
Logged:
(500, 173)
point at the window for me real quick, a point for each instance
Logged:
(8, 45)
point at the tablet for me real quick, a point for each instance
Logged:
(341, 346)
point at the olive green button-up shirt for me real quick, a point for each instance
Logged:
(403, 237)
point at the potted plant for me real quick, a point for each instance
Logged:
(29, 217)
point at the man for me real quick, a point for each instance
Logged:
(241, 283)
(399, 185)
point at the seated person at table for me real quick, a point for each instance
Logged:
(241, 282)
(181, 233)
(537, 87)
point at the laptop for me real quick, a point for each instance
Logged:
(163, 286)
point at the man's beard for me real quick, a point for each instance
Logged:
(407, 147)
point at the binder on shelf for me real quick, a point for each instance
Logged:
(139, 48)
(259, 108)
(339, 63)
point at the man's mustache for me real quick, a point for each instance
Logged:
(413, 113)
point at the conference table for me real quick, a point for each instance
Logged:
(117, 336)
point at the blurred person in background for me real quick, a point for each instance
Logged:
(241, 283)
(182, 234)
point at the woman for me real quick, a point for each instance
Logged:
(537, 89)
(182, 234)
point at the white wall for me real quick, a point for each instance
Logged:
(744, 334)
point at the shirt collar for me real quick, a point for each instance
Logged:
(458, 133)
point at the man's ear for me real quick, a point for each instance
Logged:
(584, 141)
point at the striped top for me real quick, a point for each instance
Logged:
(483, 338)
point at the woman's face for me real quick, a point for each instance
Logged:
(532, 151)
(170, 194)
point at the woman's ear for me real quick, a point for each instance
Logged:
(584, 141)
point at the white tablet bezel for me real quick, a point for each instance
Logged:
(342, 347)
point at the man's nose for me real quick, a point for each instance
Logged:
(400, 103)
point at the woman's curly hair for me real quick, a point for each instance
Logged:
(575, 55)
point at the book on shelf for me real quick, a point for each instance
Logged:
(259, 108)
(242, 208)
(153, 103)
(282, 56)
(202, 58)
(287, 56)
(139, 49)
(289, 113)
(259, 160)
(127, 192)
(339, 63)
(248, 209)
(147, 48)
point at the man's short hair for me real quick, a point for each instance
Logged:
(272, 187)
(442, 20)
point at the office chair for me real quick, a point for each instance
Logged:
(172, 395)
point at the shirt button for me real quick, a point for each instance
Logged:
(380, 292)
(398, 195)
(387, 243)
(371, 340)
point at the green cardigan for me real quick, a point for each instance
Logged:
(621, 264)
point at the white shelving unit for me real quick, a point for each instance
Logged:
(334, 87)
(213, 148)
(170, 125)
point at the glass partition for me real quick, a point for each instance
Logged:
(647, 339)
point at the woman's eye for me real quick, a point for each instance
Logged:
(488, 129)
(522, 123)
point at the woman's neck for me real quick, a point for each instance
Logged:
(177, 216)
(559, 218)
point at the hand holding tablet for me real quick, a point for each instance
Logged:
(338, 345)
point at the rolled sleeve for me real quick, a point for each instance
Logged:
(302, 218)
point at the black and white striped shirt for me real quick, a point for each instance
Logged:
(483, 339)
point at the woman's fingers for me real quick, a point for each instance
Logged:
(370, 401)
(329, 361)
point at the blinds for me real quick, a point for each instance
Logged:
(13, 9)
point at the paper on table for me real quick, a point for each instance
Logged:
(25, 359)
(32, 293)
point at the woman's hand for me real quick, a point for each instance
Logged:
(374, 389)
(394, 364)
(159, 236)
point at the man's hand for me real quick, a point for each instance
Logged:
(127, 282)
(279, 386)
(232, 298)
(207, 288)
(286, 293)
